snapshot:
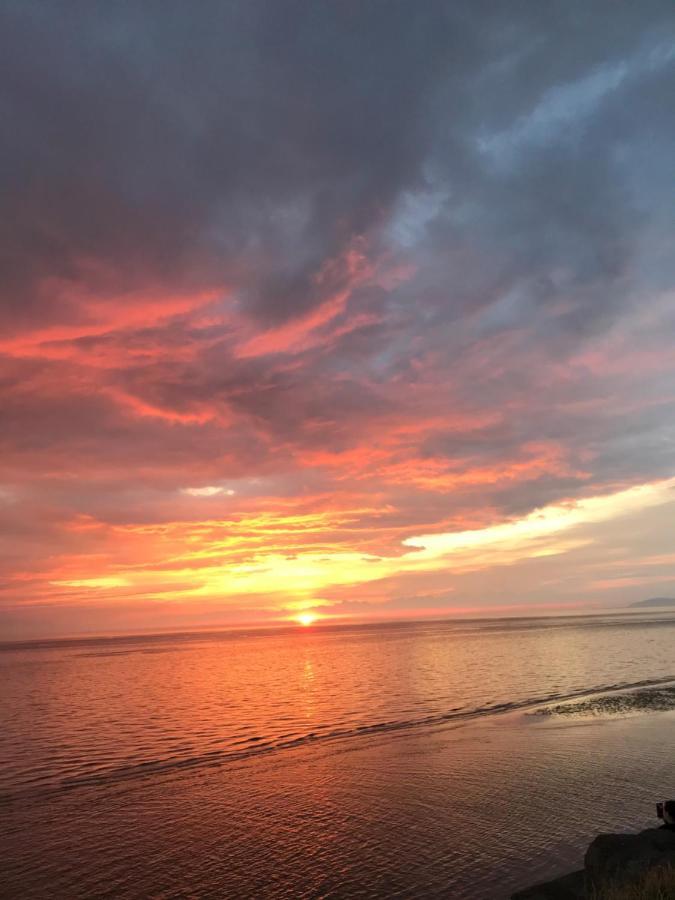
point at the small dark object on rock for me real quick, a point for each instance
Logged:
(666, 810)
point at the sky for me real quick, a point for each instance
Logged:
(358, 309)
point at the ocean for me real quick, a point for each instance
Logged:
(456, 759)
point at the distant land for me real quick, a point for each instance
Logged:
(655, 601)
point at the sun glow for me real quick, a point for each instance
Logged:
(273, 563)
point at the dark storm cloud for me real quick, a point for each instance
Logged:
(248, 142)
(177, 144)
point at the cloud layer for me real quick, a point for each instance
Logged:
(287, 284)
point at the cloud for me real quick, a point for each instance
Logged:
(209, 490)
(400, 270)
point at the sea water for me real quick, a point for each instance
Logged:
(376, 760)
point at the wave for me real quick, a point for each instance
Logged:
(260, 745)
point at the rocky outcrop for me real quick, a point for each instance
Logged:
(610, 858)
(624, 857)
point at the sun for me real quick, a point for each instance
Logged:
(305, 618)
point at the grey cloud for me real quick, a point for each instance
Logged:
(514, 156)
(252, 140)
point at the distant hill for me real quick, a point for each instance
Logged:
(655, 601)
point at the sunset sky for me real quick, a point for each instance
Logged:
(365, 307)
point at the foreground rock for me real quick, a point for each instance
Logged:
(610, 859)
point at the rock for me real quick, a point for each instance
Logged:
(626, 856)
(568, 887)
(616, 858)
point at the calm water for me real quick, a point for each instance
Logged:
(390, 760)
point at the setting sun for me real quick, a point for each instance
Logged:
(306, 618)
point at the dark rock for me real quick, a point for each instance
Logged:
(626, 856)
(569, 887)
(610, 858)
